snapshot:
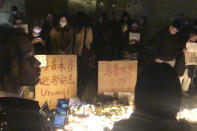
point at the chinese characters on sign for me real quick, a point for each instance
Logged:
(58, 79)
(117, 76)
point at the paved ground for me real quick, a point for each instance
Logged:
(190, 103)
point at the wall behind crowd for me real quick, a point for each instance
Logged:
(38, 8)
(87, 6)
(5, 9)
(159, 12)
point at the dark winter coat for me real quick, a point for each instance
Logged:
(168, 46)
(19, 114)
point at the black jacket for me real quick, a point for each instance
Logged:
(168, 46)
(19, 114)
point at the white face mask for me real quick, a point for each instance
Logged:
(37, 30)
(63, 24)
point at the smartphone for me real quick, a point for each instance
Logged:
(61, 113)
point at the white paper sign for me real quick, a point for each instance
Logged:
(134, 36)
(191, 54)
(191, 47)
(42, 59)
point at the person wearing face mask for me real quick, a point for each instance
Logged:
(61, 37)
(132, 39)
(37, 41)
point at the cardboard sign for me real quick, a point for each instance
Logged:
(22, 26)
(134, 36)
(117, 76)
(58, 80)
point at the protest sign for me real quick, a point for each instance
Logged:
(191, 47)
(134, 36)
(191, 58)
(191, 53)
(58, 80)
(117, 76)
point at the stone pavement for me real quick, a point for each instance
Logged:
(190, 103)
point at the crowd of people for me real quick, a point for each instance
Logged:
(107, 38)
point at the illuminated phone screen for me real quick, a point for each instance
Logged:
(59, 121)
(61, 113)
